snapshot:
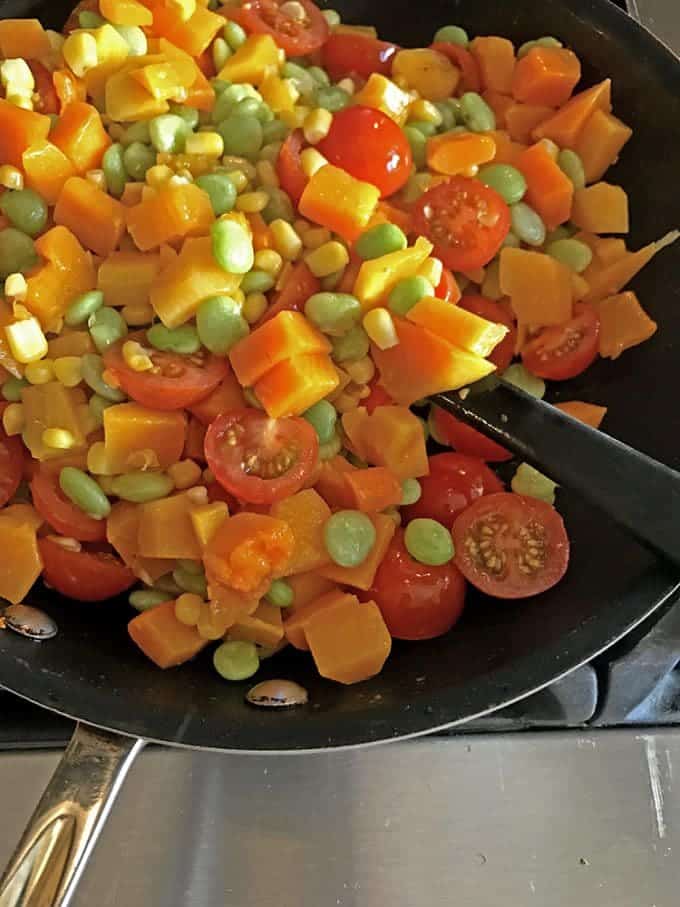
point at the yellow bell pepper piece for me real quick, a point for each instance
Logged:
(280, 94)
(125, 278)
(131, 430)
(334, 199)
(165, 81)
(383, 94)
(51, 406)
(19, 571)
(427, 71)
(165, 529)
(207, 519)
(257, 58)
(378, 277)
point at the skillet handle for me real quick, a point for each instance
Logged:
(53, 852)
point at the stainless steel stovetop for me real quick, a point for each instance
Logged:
(537, 805)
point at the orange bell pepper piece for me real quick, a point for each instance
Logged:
(549, 190)
(19, 129)
(600, 142)
(248, 551)
(456, 153)
(22, 569)
(539, 287)
(46, 168)
(339, 201)
(173, 213)
(292, 386)
(390, 436)
(306, 513)
(349, 641)
(546, 76)
(96, 219)
(522, 119)
(163, 639)
(564, 127)
(623, 324)
(80, 134)
(495, 59)
(23, 38)
(588, 413)
(362, 577)
(131, 429)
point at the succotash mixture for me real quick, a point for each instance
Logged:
(238, 245)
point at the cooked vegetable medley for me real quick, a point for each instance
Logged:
(240, 247)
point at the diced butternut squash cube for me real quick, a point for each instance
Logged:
(19, 571)
(292, 386)
(546, 76)
(507, 151)
(564, 126)
(496, 61)
(306, 587)
(306, 513)
(390, 436)
(522, 119)
(19, 129)
(128, 101)
(283, 337)
(23, 514)
(549, 190)
(23, 38)
(457, 326)
(131, 430)
(588, 413)
(51, 406)
(383, 94)
(623, 324)
(601, 208)
(166, 529)
(335, 199)
(539, 287)
(428, 72)
(225, 608)
(368, 490)
(349, 642)
(122, 529)
(46, 168)
(255, 59)
(125, 278)
(192, 35)
(264, 626)
(600, 142)
(207, 519)
(170, 215)
(70, 343)
(166, 81)
(452, 154)
(378, 276)
(96, 219)
(362, 577)
(80, 134)
(609, 279)
(295, 623)
(163, 639)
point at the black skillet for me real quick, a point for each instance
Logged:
(501, 651)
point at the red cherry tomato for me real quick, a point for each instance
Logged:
(63, 516)
(565, 350)
(378, 397)
(355, 54)
(289, 168)
(297, 38)
(467, 440)
(369, 145)
(47, 102)
(470, 79)
(181, 382)
(447, 287)
(416, 601)
(299, 286)
(466, 220)
(511, 546)
(86, 576)
(504, 353)
(11, 465)
(258, 459)
(454, 482)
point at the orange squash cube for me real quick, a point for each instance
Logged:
(349, 642)
(207, 519)
(166, 530)
(163, 639)
(600, 142)
(601, 208)
(564, 126)
(362, 577)
(125, 278)
(457, 326)
(306, 513)
(292, 386)
(549, 190)
(539, 287)
(623, 324)
(122, 529)
(264, 626)
(306, 587)
(96, 219)
(80, 134)
(170, 215)
(546, 76)
(496, 61)
(295, 624)
(522, 119)
(47, 168)
(227, 395)
(390, 436)
(22, 569)
(130, 429)
(19, 129)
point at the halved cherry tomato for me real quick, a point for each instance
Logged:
(511, 546)
(466, 220)
(467, 440)
(504, 353)
(258, 459)
(355, 129)
(288, 166)
(47, 101)
(454, 482)
(416, 601)
(299, 286)
(377, 397)
(297, 38)
(11, 465)
(63, 516)
(346, 54)
(86, 576)
(181, 381)
(470, 79)
(565, 350)
(447, 288)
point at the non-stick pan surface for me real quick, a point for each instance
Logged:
(501, 651)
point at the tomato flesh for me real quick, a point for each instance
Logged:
(504, 353)
(86, 576)
(377, 397)
(11, 466)
(300, 285)
(261, 460)
(467, 440)
(47, 102)
(465, 220)
(565, 350)
(416, 601)
(297, 38)
(179, 382)
(63, 516)
(289, 168)
(454, 482)
(355, 54)
(447, 287)
(511, 546)
(356, 129)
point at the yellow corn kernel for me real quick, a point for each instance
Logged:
(15, 286)
(68, 370)
(209, 143)
(347, 85)
(293, 10)
(136, 357)
(184, 474)
(188, 609)
(10, 177)
(138, 314)
(252, 202)
(158, 175)
(26, 340)
(233, 162)
(80, 52)
(13, 419)
(379, 326)
(106, 483)
(317, 125)
(254, 307)
(327, 259)
(39, 372)
(312, 160)
(267, 175)
(316, 237)
(286, 241)
(361, 371)
(424, 111)
(432, 269)
(270, 261)
(16, 77)
(198, 495)
(296, 117)
(21, 100)
(58, 438)
(239, 179)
